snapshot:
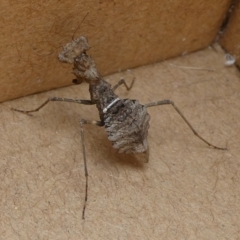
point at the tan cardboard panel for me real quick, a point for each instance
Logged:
(186, 191)
(231, 38)
(123, 34)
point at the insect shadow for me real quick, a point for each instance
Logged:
(126, 121)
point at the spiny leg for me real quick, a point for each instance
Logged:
(82, 122)
(165, 102)
(122, 81)
(51, 99)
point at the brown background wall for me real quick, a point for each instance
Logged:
(231, 37)
(122, 34)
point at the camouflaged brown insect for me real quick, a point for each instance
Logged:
(126, 121)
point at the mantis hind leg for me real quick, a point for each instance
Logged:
(82, 122)
(167, 102)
